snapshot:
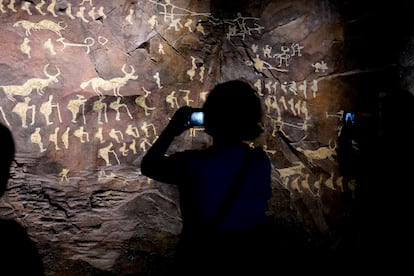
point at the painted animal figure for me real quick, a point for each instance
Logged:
(42, 25)
(35, 83)
(113, 84)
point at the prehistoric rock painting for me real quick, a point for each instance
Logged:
(28, 86)
(103, 77)
(289, 96)
(113, 84)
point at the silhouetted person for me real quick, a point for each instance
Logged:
(19, 255)
(236, 243)
(382, 169)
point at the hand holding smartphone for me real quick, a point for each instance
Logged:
(196, 118)
(349, 118)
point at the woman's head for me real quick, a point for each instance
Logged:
(233, 112)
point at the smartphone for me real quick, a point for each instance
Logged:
(349, 118)
(196, 118)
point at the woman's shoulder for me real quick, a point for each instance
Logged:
(236, 151)
(11, 227)
(258, 150)
(14, 235)
(260, 156)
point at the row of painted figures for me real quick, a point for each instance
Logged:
(225, 190)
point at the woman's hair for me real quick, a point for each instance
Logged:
(7, 156)
(233, 111)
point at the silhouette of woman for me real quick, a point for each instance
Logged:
(232, 117)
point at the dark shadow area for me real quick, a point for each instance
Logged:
(19, 254)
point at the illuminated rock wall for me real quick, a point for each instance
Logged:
(87, 86)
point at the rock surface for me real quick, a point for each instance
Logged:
(87, 86)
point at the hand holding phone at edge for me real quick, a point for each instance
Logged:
(178, 122)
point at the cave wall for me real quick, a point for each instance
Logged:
(87, 86)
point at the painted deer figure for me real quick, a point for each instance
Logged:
(40, 84)
(114, 84)
(35, 83)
